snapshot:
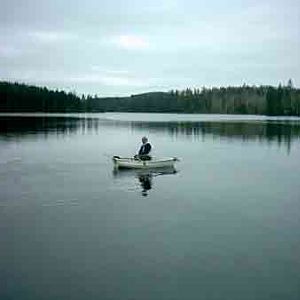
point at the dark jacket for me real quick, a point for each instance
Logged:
(145, 149)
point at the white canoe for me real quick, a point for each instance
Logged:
(131, 163)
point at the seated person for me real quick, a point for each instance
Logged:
(144, 150)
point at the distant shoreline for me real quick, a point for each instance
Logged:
(244, 100)
(117, 116)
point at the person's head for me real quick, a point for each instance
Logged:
(144, 140)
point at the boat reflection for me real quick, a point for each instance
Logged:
(144, 177)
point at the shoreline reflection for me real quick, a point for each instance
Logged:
(282, 133)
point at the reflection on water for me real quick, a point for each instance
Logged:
(228, 219)
(145, 177)
(282, 132)
(146, 183)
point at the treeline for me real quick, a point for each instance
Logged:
(15, 97)
(263, 100)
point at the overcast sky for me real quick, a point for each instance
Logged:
(131, 46)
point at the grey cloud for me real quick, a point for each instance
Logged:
(124, 47)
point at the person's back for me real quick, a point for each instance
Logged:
(144, 150)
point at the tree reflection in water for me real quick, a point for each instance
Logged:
(280, 132)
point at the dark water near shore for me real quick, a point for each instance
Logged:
(224, 225)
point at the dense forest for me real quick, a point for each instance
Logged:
(263, 100)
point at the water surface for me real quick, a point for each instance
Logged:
(224, 225)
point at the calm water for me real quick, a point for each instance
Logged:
(225, 225)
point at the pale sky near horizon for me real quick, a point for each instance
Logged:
(125, 47)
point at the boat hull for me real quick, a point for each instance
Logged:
(131, 163)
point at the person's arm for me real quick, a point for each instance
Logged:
(147, 149)
(141, 151)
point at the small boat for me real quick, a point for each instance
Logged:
(133, 163)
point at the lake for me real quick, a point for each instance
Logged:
(224, 225)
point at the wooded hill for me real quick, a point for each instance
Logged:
(263, 100)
